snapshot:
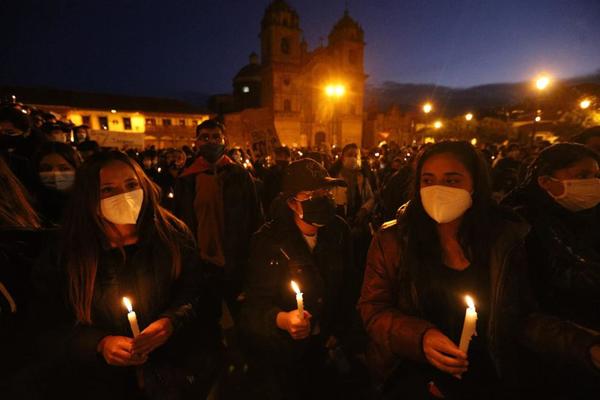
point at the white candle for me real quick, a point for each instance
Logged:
(131, 317)
(299, 299)
(469, 325)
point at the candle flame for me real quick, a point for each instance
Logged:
(470, 302)
(295, 287)
(127, 304)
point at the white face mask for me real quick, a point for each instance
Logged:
(58, 180)
(579, 194)
(123, 208)
(445, 204)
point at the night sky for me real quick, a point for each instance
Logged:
(156, 47)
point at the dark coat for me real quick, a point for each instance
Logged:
(563, 250)
(391, 310)
(325, 277)
(143, 274)
(243, 215)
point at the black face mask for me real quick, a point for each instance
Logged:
(211, 152)
(318, 211)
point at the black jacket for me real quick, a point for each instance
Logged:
(143, 273)
(563, 250)
(324, 276)
(242, 212)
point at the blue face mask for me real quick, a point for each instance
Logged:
(58, 180)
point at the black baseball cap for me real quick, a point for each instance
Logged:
(307, 175)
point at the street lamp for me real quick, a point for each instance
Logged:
(585, 103)
(541, 83)
(427, 107)
(469, 117)
(437, 124)
(334, 91)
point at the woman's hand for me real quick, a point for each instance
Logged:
(595, 353)
(443, 354)
(155, 335)
(118, 351)
(298, 328)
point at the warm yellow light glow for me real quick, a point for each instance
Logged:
(474, 141)
(470, 302)
(427, 107)
(428, 139)
(336, 90)
(295, 287)
(469, 117)
(538, 118)
(542, 82)
(437, 124)
(127, 304)
(113, 111)
(585, 104)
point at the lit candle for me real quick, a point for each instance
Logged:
(469, 325)
(131, 317)
(299, 299)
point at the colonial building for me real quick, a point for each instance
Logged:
(116, 120)
(294, 96)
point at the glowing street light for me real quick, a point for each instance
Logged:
(469, 117)
(427, 107)
(437, 124)
(538, 118)
(585, 103)
(335, 90)
(542, 82)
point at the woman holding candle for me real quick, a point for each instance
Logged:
(299, 301)
(118, 242)
(450, 241)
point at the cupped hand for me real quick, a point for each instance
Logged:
(443, 354)
(118, 351)
(297, 327)
(155, 335)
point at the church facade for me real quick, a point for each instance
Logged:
(306, 98)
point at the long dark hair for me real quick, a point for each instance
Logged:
(15, 209)
(418, 230)
(85, 233)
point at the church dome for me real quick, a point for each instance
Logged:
(251, 71)
(346, 29)
(279, 12)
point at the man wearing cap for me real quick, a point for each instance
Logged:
(309, 244)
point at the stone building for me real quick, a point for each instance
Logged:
(295, 96)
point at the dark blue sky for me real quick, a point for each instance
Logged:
(164, 47)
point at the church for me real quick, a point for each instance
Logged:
(294, 96)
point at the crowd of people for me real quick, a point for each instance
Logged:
(222, 272)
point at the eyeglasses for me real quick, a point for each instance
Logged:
(306, 196)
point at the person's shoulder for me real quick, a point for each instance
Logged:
(509, 223)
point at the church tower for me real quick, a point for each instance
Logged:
(281, 55)
(346, 46)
